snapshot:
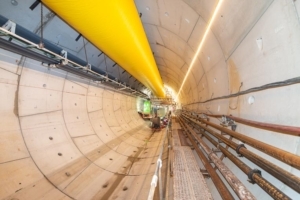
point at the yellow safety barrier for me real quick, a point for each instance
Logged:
(114, 27)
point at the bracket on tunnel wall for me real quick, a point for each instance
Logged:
(226, 121)
(64, 54)
(10, 26)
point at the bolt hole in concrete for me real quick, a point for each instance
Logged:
(251, 100)
(50, 138)
(68, 174)
(125, 188)
(259, 43)
(60, 154)
(14, 2)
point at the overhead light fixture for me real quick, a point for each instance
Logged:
(200, 46)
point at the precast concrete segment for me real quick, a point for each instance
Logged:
(115, 28)
(63, 137)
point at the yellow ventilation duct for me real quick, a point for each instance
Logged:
(114, 27)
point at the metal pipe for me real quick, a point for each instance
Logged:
(126, 43)
(291, 130)
(233, 181)
(282, 175)
(9, 46)
(256, 177)
(28, 35)
(161, 194)
(224, 192)
(158, 168)
(277, 153)
(168, 168)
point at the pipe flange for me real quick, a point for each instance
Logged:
(250, 175)
(238, 149)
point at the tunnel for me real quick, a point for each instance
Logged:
(222, 76)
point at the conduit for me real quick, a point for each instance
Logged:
(291, 130)
(222, 189)
(28, 35)
(115, 28)
(47, 55)
(277, 153)
(282, 175)
(283, 83)
(233, 181)
(258, 179)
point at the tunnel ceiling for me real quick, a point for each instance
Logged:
(174, 29)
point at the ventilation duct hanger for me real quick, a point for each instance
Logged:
(54, 59)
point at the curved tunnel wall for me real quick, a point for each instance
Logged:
(253, 42)
(231, 55)
(63, 137)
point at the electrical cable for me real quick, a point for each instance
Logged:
(255, 89)
(237, 101)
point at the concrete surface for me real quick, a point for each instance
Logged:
(254, 42)
(63, 137)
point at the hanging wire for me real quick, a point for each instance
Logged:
(86, 58)
(41, 45)
(119, 74)
(105, 65)
(237, 101)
